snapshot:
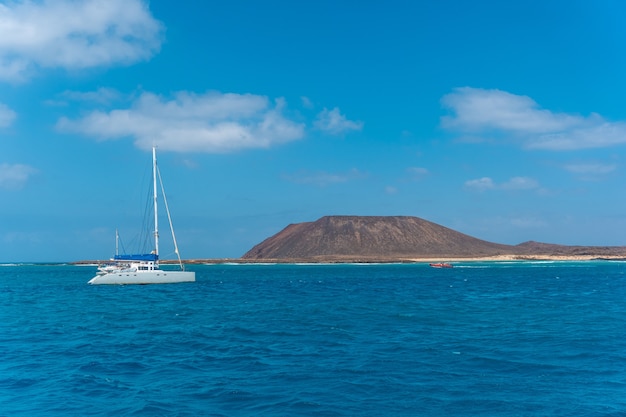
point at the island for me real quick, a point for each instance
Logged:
(396, 239)
(403, 239)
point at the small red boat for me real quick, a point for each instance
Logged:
(441, 265)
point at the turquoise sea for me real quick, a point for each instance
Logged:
(481, 339)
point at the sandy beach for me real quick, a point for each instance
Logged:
(347, 260)
(501, 258)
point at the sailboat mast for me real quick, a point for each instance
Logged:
(156, 217)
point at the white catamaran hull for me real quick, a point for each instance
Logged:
(144, 277)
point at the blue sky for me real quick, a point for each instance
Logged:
(502, 120)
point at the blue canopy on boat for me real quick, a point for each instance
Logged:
(137, 257)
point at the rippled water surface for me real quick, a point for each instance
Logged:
(505, 339)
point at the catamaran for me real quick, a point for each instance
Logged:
(144, 268)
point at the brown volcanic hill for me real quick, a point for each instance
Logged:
(372, 237)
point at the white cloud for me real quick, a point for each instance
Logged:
(501, 113)
(600, 134)
(515, 183)
(590, 171)
(335, 123)
(74, 34)
(323, 179)
(6, 115)
(211, 122)
(15, 176)
(480, 184)
(477, 109)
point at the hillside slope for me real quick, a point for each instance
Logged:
(398, 238)
(382, 237)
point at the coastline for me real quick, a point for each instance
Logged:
(389, 260)
(426, 259)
